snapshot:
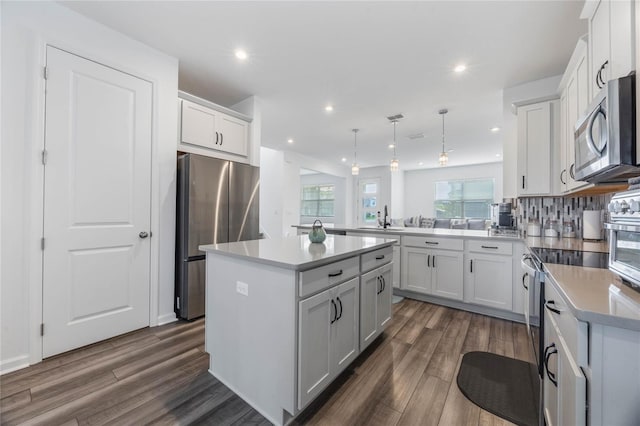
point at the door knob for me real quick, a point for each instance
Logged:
(143, 234)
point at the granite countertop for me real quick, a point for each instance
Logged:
(410, 231)
(567, 244)
(297, 252)
(597, 295)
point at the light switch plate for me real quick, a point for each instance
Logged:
(242, 288)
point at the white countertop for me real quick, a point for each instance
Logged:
(298, 253)
(597, 295)
(410, 231)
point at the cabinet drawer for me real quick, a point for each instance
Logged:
(573, 332)
(376, 258)
(492, 247)
(434, 243)
(317, 279)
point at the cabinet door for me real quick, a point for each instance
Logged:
(199, 125)
(560, 175)
(370, 285)
(314, 334)
(416, 273)
(345, 342)
(448, 272)
(534, 149)
(384, 297)
(578, 94)
(550, 370)
(572, 389)
(234, 135)
(491, 284)
(396, 266)
(599, 42)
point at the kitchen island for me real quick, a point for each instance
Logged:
(284, 316)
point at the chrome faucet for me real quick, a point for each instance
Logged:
(385, 219)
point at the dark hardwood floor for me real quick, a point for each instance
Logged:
(159, 376)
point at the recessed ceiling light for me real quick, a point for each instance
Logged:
(460, 68)
(420, 163)
(497, 155)
(241, 54)
(391, 146)
(290, 140)
(328, 108)
(344, 160)
(495, 129)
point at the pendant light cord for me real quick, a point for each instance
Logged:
(394, 138)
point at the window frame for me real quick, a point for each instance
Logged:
(462, 200)
(318, 200)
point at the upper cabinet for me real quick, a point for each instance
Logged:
(574, 99)
(538, 129)
(611, 41)
(212, 130)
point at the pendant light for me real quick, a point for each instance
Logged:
(355, 169)
(395, 164)
(444, 158)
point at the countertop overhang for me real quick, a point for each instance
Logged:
(297, 252)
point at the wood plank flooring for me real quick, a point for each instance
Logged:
(159, 376)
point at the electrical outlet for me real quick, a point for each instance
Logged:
(242, 288)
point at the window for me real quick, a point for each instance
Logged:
(463, 198)
(317, 201)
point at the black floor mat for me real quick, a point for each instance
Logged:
(506, 387)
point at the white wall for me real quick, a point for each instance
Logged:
(535, 90)
(420, 185)
(280, 189)
(339, 191)
(26, 28)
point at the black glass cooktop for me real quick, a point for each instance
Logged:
(572, 257)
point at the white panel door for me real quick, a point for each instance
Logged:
(383, 316)
(491, 281)
(370, 285)
(199, 125)
(97, 203)
(448, 274)
(416, 269)
(346, 340)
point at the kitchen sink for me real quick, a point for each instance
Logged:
(390, 229)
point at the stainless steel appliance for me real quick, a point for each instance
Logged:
(624, 237)
(605, 138)
(501, 216)
(217, 202)
(533, 283)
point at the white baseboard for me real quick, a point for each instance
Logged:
(167, 318)
(13, 364)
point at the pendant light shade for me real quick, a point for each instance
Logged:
(355, 169)
(395, 164)
(444, 157)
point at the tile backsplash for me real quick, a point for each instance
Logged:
(558, 208)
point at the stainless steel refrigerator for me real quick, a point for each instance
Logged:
(217, 202)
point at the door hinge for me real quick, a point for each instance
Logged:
(42, 243)
(42, 329)
(45, 73)
(44, 157)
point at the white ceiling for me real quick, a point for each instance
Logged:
(367, 59)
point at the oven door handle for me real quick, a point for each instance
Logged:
(622, 227)
(589, 136)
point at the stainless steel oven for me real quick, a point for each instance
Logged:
(624, 237)
(605, 138)
(533, 283)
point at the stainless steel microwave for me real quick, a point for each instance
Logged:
(605, 138)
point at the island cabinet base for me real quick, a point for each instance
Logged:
(251, 335)
(277, 336)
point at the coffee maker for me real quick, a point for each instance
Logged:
(501, 216)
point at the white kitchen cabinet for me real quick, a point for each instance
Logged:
(328, 337)
(611, 40)
(574, 100)
(538, 129)
(490, 280)
(214, 130)
(396, 262)
(565, 386)
(375, 303)
(431, 271)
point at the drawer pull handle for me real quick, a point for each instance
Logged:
(471, 266)
(340, 302)
(379, 290)
(554, 310)
(548, 351)
(335, 274)
(490, 247)
(428, 261)
(524, 278)
(433, 243)
(380, 257)
(384, 284)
